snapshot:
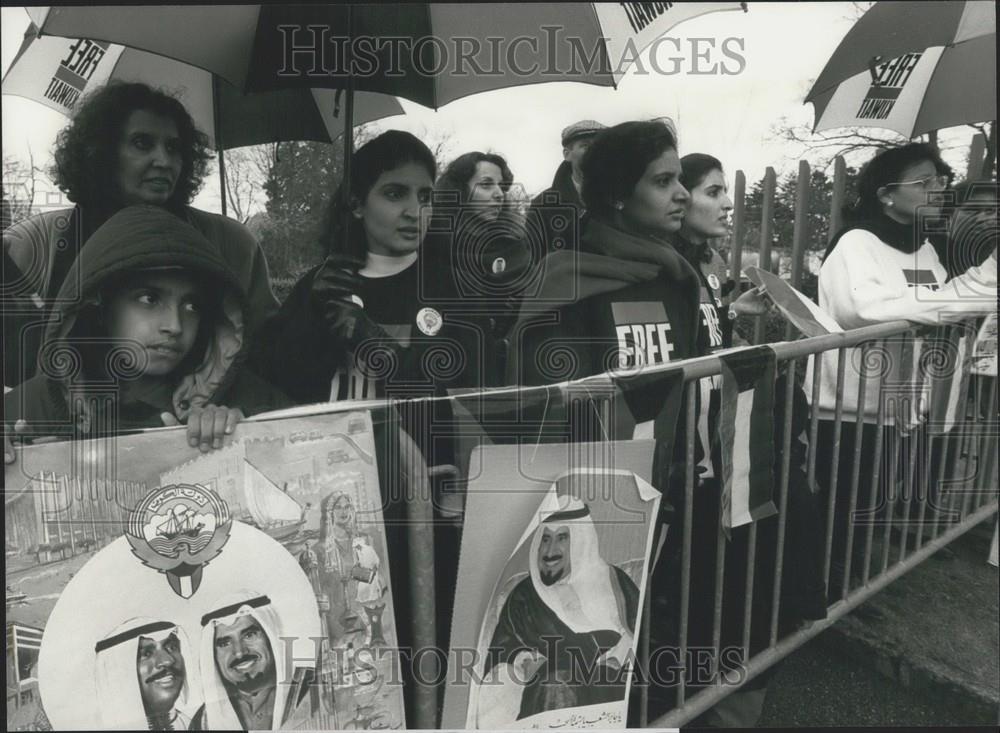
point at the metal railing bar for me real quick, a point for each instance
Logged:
(859, 429)
(688, 524)
(710, 696)
(783, 498)
(838, 416)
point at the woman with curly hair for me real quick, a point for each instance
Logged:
(485, 243)
(127, 144)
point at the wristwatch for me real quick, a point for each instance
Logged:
(732, 313)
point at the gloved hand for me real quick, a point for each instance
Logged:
(334, 294)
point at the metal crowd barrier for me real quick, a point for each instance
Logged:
(922, 530)
(973, 438)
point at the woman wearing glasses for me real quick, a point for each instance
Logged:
(879, 268)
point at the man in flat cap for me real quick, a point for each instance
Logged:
(548, 206)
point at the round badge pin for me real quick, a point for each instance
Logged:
(429, 321)
(499, 265)
(713, 281)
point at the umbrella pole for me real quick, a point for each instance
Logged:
(217, 125)
(348, 153)
(348, 131)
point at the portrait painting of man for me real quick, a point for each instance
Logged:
(564, 633)
(141, 675)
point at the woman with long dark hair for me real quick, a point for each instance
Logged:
(373, 321)
(882, 267)
(373, 316)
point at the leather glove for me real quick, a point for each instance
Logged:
(334, 295)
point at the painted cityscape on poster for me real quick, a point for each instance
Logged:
(143, 540)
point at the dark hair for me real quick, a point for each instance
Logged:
(617, 159)
(330, 501)
(695, 166)
(460, 171)
(388, 151)
(885, 168)
(86, 153)
(89, 334)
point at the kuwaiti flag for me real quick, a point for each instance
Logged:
(945, 361)
(745, 436)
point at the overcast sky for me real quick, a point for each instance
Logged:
(785, 46)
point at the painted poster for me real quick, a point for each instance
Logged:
(547, 637)
(246, 587)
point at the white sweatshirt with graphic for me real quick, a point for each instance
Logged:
(865, 281)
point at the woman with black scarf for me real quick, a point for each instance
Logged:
(881, 267)
(626, 299)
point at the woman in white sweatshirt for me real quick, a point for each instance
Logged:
(880, 268)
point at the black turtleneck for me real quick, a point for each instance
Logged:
(903, 237)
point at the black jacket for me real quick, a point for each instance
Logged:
(554, 219)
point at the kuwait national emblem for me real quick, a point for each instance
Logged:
(177, 530)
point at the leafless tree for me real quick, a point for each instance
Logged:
(20, 181)
(821, 148)
(244, 180)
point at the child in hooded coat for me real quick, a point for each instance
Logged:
(93, 381)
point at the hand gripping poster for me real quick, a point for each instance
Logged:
(554, 644)
(151, 586)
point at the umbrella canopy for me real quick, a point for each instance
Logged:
(428, 53)
(881, 76)
(56, 72)
(890, 29)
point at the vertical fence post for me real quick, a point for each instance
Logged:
(977, 152)
(800, 232)
(766, 228)
(837, 196)
(739, 227)
(801, 228)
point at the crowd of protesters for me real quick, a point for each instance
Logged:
(434, 283)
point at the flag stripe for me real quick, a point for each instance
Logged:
(746, 436)
(742, 467)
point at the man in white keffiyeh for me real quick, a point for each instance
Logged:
(141, 675)
(241, 679)
(565, 631)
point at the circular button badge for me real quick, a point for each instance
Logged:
(429, 321)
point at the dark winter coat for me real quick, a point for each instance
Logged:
(554, 219)
(39, 252)
(137, 238)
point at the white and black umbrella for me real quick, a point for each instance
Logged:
(912, 67)
(428, 53)
(56, 72)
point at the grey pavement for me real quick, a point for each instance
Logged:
(922, 652)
